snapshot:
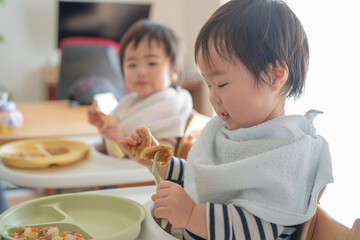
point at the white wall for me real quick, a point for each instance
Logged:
(29, 28)
(333, 86)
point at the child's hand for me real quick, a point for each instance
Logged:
(113, 131)
(94, 118)
(134, 139)
(173, 203)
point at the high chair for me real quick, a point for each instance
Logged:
(323, 227)
(195, 124)
(83, 59)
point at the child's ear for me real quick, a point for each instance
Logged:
(278, 75)
(174, 75)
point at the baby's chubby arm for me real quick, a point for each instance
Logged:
(173, 203)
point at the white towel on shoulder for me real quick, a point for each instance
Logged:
(274, 170)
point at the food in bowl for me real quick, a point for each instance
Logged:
(47, 233)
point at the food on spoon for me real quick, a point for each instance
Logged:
(48, 233)
(164, 157)
(135, 151)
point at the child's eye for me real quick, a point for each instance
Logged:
(132, 65)
(152, 63)
(222, 85)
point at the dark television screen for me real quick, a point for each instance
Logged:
(98, 19)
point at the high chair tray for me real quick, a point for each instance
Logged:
(42, 153)
(94, 170)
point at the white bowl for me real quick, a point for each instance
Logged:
(150, 229)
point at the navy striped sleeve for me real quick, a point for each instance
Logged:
(176, 171)
(233, 222)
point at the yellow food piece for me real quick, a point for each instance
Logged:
(116, 149)
(69, 237)
(53, 231)
(106, 118)
(113, 145)
(165, 154)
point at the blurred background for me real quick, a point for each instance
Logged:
(29, 57)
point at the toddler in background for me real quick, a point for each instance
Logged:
(149, 58)
(254, 172)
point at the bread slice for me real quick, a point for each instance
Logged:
(165, 154)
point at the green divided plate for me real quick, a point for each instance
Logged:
(95, 216)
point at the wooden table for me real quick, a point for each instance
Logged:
(55, 118)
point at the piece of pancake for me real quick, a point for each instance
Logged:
(165, 154)
(135, 151)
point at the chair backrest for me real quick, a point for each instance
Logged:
(306, 230)
(195, 124)
(70, 41)
(325, 227)
(82, 61)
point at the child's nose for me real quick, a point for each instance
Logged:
(214, 98)
(141, 71)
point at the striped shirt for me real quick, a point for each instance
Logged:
(227, 221)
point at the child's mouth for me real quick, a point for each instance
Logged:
(225, 116)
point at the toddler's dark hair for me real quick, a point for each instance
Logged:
(261, 34)
(155, 32)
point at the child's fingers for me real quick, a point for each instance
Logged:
(164, 184)
(90, 110)
(162, 191)
(136, 136)
(161, 212)
(124, 146)
(131, 141)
